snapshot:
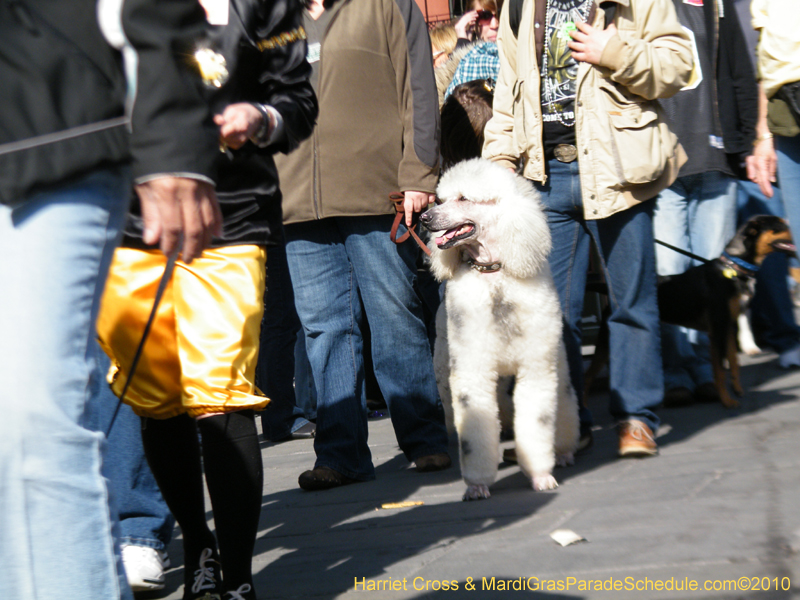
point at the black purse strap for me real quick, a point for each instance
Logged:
(790, 93)
(610, 10)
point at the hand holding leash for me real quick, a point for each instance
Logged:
(175, 208)
(409, 205)
(414, 203)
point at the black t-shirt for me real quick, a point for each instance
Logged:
(693, 114)
(559, 73)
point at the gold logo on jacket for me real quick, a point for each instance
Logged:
(283, 39)
(212, 66)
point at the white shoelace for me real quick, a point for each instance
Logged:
(638, 431)
(204, 576)
(239, 593)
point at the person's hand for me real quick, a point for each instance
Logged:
(588, 42)
(238, 123)
(762, 164)
(179, 206)
(416, 202)
(465, 24)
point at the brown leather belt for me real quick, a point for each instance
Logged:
(565, 153)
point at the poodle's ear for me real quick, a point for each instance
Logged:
(443, 262)
(523, 231)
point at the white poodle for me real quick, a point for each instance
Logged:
(503, 319)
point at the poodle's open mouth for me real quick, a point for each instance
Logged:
(453, 236)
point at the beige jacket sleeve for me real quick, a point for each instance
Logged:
(651, 55)
(500, 142)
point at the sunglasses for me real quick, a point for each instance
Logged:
(485, 15)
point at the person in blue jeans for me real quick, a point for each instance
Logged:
(771, 309)
(777, 145)
(714, 117)
(574, 110)
(66, 144)
(276, 374)
(145, 522)
(377, 133)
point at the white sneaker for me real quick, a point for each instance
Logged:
(144, 567)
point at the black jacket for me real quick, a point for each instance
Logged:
(725, 103)
(736, 85)
(63, 94)
(264, 45)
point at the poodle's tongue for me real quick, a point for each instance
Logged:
(450, 234)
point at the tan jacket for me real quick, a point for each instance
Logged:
(626, 152)
(378, 125)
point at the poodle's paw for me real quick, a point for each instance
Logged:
(542, 483)
(751, 350)
(565, 459)
(476, 491)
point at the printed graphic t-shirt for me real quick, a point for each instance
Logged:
(558, 80)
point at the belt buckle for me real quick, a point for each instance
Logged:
(565, 153)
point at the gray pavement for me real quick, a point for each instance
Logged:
(718, 507)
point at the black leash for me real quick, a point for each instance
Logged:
(162, 285)
(684, 252)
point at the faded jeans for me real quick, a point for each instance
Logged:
(336, 264)
(697, 213)
(625, 245)
(144, 518)
(56, 246)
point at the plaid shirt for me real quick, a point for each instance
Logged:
(482, 62)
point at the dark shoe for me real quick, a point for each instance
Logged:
(433, 462)
(678, 396)
(636, 439)
(322, 478)
(707, 392)
(379, 405)
(204, 583)
(306, 432)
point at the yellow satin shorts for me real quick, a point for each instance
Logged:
(200, 356)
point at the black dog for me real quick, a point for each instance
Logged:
(708, 298)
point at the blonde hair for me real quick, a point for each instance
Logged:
(444, 38)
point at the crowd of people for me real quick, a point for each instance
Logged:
(151, 206)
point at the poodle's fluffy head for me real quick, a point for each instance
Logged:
(487, 211)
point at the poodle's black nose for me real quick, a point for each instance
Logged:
(425, 217)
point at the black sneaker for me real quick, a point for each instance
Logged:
(206, 581)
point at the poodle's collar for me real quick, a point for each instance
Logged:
(484, 267)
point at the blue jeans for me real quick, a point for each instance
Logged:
(625, 244)
(275, 371)
(696, 213)
(305, 392)
(56, 525)
(333, 263)
(771, 309)
(144, 518)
